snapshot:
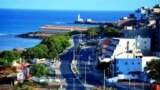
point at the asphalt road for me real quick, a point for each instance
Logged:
(66, 71)
(84, 58)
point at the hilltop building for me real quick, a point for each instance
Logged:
(127, 21)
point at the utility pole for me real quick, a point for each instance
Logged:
(73, 83)
(143, 85)
(104, 87)
(129, 82)
(85, 73)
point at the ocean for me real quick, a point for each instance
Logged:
(13, 22)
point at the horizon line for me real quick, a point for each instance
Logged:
(63, 9)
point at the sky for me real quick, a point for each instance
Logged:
(105, 5)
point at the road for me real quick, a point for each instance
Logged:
(66, 71)
(84, 55)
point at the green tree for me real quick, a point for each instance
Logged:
(104, 66)
(53, 54)
(7, 57)
(153, 69)
(44, 48)
(93, 32)
(111, 32)
(34, 52)
(5, 63)
(10, 55)
(39, 70)
(56, 44)
(49, 47)
(64, 42)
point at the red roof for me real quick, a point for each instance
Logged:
(105, 42)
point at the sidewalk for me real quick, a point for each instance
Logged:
(56, 66)
(62, 83)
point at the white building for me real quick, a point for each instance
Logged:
(143, 43)
(124, 45)
(127, 68)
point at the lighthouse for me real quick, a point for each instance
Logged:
(79, 19)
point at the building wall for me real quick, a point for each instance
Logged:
(143, 43)
(127, 65)
(118, 46)
(144, 32)
(122, 76)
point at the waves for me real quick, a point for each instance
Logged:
(7, 34)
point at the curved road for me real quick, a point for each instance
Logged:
(67, 72)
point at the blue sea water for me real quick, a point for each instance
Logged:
(13, 21)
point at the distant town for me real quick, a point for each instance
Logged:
(124, 55)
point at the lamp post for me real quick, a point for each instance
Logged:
(85, 71)
(104, 87)
(129, 81)
(74, 53)
(78, 58)
(73, 83)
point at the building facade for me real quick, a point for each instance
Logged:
(128, 68)
(118, 46)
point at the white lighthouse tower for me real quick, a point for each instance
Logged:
(79, 19)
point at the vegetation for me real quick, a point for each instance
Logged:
(30, 85)
(56, 44)
(50, 47)
(153, 69)
(7, 57)
(39, 70)
(104, 66)
(34, 52)
(111, 32)
(93, 32)
(77, 32)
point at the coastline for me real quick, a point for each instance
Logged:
(34, 35)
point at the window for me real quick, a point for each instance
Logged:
(145, 47)
(117, 61)
(126, 63)
(132, 63)
(138, 63)
(117, 68)
(133, 75)
(145, 42)
(135, 69)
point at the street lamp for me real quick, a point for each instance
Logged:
(73, 83)
(129, 81)
(78, 58)
(74, 53)
(89, 59)
(104, 87)
(85, 71)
